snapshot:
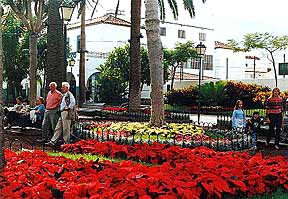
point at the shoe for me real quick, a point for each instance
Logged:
(50, 144)
(276, 147)
(41, 140)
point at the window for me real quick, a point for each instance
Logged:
(202, 36)
(163, 31)
(181, 34)
(195, 64)
(78, 43)
(208, 62)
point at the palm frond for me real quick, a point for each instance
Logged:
(174, 8)
(162, 10)
(94, 8)
(117, 8)
(189, 6)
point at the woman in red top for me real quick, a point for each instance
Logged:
(274, 113)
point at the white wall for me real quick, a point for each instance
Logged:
(99, 38)
(105, 37)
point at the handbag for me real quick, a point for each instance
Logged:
(71, 112)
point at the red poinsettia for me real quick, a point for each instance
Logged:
(180, 173)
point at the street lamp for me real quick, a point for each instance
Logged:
(200, 50)
(66, 12)
(71, 64)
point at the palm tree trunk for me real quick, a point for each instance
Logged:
(135, 64)
(82, 83)
(155, 56)
(33, 67)
(56, 67)
(2, 158)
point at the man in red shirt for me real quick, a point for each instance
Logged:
(51, 114)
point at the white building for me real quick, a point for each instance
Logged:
(239, 65)
(105, 33)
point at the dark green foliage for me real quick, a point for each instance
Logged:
(114, 74)
(112, 83)
(14, 72)
(185, 96)
(16, 63)
(213, 94)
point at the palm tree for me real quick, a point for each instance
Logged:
(152, 22)
(2, 159)
(33, 21)
(155, 56)
(56, 67)
(135, 64)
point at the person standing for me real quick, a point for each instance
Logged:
(254, 126)
(274, 114)
(64, 122)
(51, 114)
(238, 116)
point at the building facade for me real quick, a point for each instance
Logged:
(105, 33)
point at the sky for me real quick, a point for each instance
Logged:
(230, 19)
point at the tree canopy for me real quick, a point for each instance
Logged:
(177, 56)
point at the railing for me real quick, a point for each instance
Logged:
(224, 138)
(218, 139)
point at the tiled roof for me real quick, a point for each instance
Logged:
(219, 44)
(190, 76)
(106, 19)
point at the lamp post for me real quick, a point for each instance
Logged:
(66, 12)
(71, 64)
(200, 50)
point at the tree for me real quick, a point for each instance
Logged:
(56, 59)
(33, 20)
(135, 65)
(114, 74)
(2, 158)
(177, 56)
(16, 63)
(264, 41)
(155, 55)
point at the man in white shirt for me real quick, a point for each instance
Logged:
(64, 122)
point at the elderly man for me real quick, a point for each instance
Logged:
(64, 122)
(51, 114)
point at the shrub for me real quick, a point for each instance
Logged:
(221, 93)
(243, 91)
(184, 96)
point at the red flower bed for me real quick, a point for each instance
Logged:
(253, 174)
(200, 172)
